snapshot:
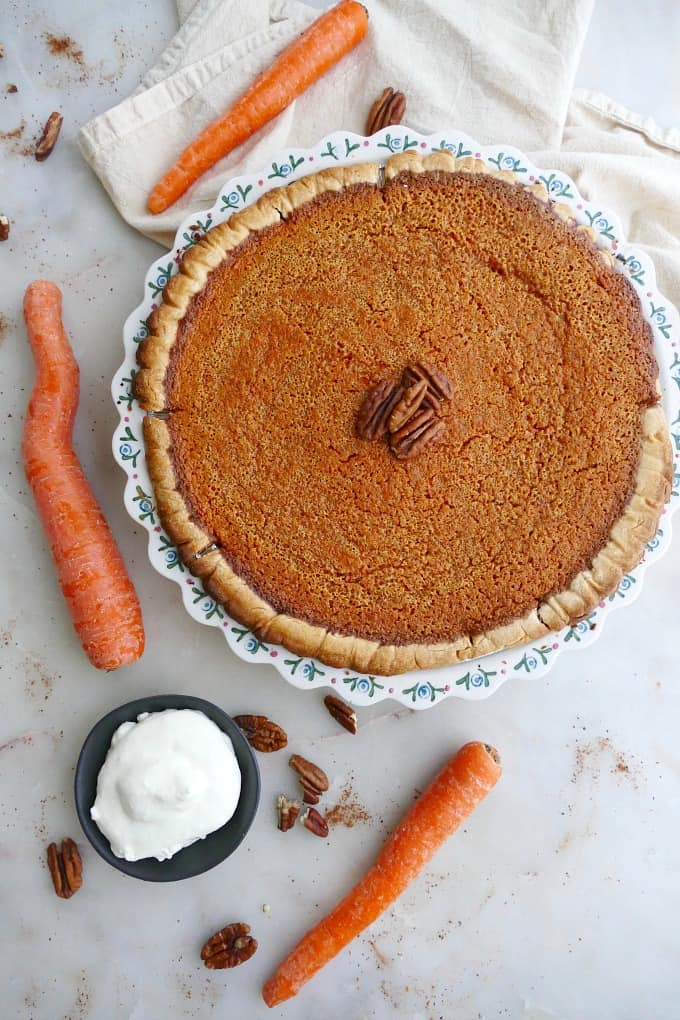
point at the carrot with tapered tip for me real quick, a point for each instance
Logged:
(100, 595)
(309, 56)
(456, 791)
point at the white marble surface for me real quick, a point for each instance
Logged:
(560, 898)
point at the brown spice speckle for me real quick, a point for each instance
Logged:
(348, 811)
(37, 678)
(588, 757)
(15, 140)
(64, 46)
(25, 738)
(17, 132)
(382, 960)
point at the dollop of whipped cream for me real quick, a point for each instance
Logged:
(168, 780)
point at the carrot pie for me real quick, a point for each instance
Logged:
(410, 415)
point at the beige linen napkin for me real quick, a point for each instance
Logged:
(631, 165)
(501, 71)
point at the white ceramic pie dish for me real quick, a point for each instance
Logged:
(420, 689)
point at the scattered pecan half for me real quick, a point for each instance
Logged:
(423, 430)
(341, 712)
(288, 811)
(438, 385)
(376, 408)
(12, 89)
(261, 733)
(4, 228)
(409, 404)
(66, 868)
(315, 822)
(48, 138)
(389, 108)
(229, 947)
(314, 780)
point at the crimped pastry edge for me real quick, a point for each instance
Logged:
(623, 550)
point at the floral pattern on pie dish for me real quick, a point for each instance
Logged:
(420, 689)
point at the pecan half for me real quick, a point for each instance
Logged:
(389, 108)
(376, 408)
(288, 811)
(341, 712)
(438, 385)
(423, 430)
(48, 138)
(261, 733)
(12, 89)
(4, 228)
(229, 947)
(66, 868)
(315, 822)
(314, 780)
(413, 427)
(410, 402)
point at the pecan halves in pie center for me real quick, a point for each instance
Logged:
(418, 434)
(406, 412)
(376, 408)
(438, 385)
(409, 403)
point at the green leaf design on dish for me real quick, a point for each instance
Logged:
(170, 554)
(476, 678)
(307, 668)
(507, 162)
(161, 281)
(579, 630)
(125, 449)
(423, 689)
(127, 397)
(236, 197)
(457, 151)
(285, 169)
(363, 684)
(145, 505)
(530, 661)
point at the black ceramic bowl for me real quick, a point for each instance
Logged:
(205, 853)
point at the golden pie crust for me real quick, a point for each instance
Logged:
(193, 506)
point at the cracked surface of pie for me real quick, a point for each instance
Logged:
(555, 462)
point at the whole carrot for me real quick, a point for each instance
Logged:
(309, 56)
(463, 782)
(103, 603)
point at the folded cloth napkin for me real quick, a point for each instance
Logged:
(501, 72)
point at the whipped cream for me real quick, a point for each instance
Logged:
(168, 780)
